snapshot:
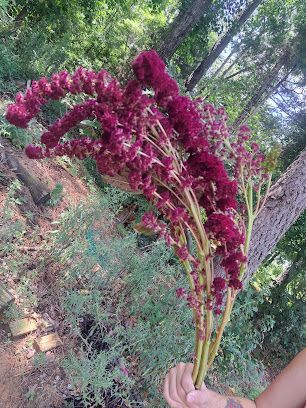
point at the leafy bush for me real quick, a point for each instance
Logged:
(9, 68)
(67, 34)
(56, 195)
(19, 137)
(120, 303)
(286, 306)
(242, 340)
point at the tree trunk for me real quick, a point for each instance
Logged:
(20, 18)
(264, 92)
(286, 202)
(240, 54)
(222, 65)
(240, 71)
(39, 192)
(182, 26)
(222, 44)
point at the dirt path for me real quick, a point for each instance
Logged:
(11, 394)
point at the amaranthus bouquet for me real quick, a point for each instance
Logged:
(204, 182)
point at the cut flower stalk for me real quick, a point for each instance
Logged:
(180, 154)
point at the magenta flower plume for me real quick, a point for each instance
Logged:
(181, 155)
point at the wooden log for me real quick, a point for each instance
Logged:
(38, 190)
(48, 342)
(21, 327)
(5, 297)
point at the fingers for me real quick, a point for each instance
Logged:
(173, 385)
(170, 392)
(180, 370)
(186, 379)
(178, 384)
(198, 399)
(179, 390)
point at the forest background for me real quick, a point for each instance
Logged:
(125, 322)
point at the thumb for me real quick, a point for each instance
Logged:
(197, 398)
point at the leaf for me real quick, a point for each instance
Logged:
(91, 123)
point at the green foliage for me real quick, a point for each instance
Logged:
(90, 373)
(92, 172)
(116, 295)
(40, 360)
(65, 34)
(26, 288)
(12, 200)
(12, 312)
(16, 263)
(267, 274)
(56, 195)
(19, 137)
(30, 395)
(286, 306)
(9, 68)
(120, 303)
(242, 340)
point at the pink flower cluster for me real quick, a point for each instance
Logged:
(170, 146)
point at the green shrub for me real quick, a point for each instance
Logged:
(286, 306)
(56, 195)
(120, 299)
(238, 365)
(19, 137)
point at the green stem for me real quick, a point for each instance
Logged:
(251, 219)
(203, 365)
(198, 354)
(225, 319)
(200, 323)
(205, 351)
(265, 197)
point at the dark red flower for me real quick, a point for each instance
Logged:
(182, 253)
(149, 68)
(180, 292)
(235, 283)
(219, 284)
(34, 152)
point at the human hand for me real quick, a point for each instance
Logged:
(180, 392)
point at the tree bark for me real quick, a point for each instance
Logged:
(39, 191)
(265, 91)
(182, 26)
(239, 56)
(285, 203)
(266, 88)
(20, 18)
(222, 44)
(226, 60)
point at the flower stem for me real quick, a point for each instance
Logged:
(198, 354)
(225, 319)
(205, 351)
(203, 365)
